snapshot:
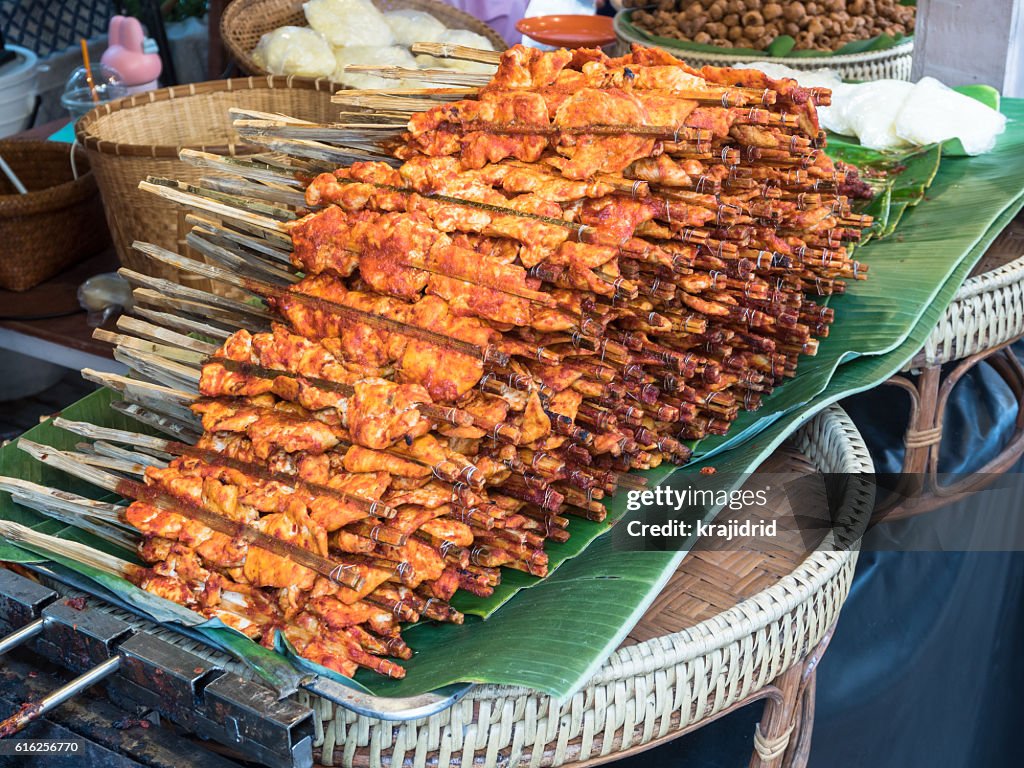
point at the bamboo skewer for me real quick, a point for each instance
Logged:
(163, 335)
(157, 420)
(103, 448)
(170, 290)
(192, 316)
(246, 168)
(371, 507)
(251, 243)
(82, 553)
(461, 52)
(345, 132)
(448, 76)
(339, 573)
(374, 321)
(139, 345)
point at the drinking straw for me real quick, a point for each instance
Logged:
(12, 176)
(88, 72)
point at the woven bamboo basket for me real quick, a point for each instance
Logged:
(245, 21)
(57, 224)
(893, 63)
(987, 311)
(140, 136)
(727, 624)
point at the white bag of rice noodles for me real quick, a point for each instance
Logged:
(934, 112)
(409, 26)
(348, 22)
(295, 51)
(466, 38)
(871, 112)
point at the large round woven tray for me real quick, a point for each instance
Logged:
(893, 63)
(726, 625)
(245, 21)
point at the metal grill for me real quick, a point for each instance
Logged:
(145, 667)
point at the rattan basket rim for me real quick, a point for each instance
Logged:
(85, 127)
(840, 448)
(904, 48)
(52, 198)
(993, 280)
(236, 9)
(986, 312)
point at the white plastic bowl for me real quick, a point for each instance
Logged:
(17, 90)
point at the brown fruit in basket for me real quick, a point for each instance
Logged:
(703, 38)
(795, 12)
(771, 11)
(752, 19)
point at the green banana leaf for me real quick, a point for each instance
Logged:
(553, 636)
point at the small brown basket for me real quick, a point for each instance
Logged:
(245, 21)
(140, 136)
(57, 224)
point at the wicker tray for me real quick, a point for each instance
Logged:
(988, 310)
(140, 136)
(245, 21)
(893, 63)
(727, 624)
(57, 224)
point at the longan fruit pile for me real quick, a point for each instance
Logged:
(822, 25)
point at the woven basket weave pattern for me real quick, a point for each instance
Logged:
(644, 691)
(57, 224)
(245, 21)
(140, 136)
(986, 312)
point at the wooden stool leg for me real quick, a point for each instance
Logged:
(772, 734)
(783, 737)
(799, 750)
(920, 489)
(921, 438)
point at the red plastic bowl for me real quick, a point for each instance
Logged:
(570, 31)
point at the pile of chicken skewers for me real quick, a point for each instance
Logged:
(562, 279)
